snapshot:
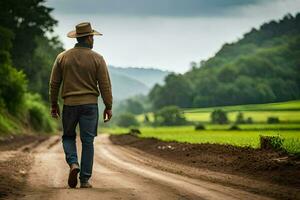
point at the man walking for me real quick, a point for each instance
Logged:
(82, 73)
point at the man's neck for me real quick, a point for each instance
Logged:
(83, 44)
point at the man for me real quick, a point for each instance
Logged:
(82, 73)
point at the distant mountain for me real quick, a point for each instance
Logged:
(148, 76)
(127, 82)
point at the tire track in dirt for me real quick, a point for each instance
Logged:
(117, 174)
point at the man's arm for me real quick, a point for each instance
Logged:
(54, 85)
(104, 84)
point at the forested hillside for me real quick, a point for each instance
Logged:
(26, 58)
(263, 66)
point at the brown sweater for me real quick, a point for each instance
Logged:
(82, 73)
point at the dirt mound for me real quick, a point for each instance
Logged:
(266, 165)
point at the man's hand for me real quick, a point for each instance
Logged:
(55, 111)
(107, 114)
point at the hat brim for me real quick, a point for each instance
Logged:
(73, 34)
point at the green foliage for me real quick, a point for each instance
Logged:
(133, 106)
(219, 117)
(271, 142)
(126, 120)
(176, 91)
(169, 116)
(261, 67)
(240, 118)
(43, 57)
(199, 127)
(27, 19)
(38, 114)
(7, 125)
(23, 45)
(273, 120)
(12, 83)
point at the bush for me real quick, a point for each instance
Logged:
(38, 114)
(135, 131)
(199, 127)
(169, 116)
(240, 118)
(13, 83)
(249, 120)
(271, 142)
(273, 120)
(219, 117)
(234, 127)
(126, 120)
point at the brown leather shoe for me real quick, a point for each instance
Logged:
(85, 185)
(74, 170)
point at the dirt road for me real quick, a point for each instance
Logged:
(119, 173)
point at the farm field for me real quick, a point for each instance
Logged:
(287, 112)
(237, 138)
(248, 135)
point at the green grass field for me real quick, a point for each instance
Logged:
(287, 112)
(248, 135)
(236, 138)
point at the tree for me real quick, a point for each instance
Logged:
(27, 20)
(13, 83)
(219, 117)
(169, 116)
(126, 120)
(240, 118)
(176, 91)
(134, 106)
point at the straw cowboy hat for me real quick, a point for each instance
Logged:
(83, 29)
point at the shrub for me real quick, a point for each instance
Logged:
(271, 142)
(240, 118)
(126, 120)
(199, 127)
(169, 116)
(219, 117)
(273, 120)
(234, 127)
(249, 120)
(135, 131)
(38, 114)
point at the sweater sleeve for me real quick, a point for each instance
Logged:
(55, 81)
(104, 83)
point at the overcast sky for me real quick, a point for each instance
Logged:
(165, 34)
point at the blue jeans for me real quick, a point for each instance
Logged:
(87, 117)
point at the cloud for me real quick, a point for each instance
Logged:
(172, 8)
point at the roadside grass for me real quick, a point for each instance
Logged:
(7, 124)
(248, 135)
(237, 138)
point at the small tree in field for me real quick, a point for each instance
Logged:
(169, 116)
(127, 120)
(240, 118)
(219, 117)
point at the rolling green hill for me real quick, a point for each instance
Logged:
(262, 67)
